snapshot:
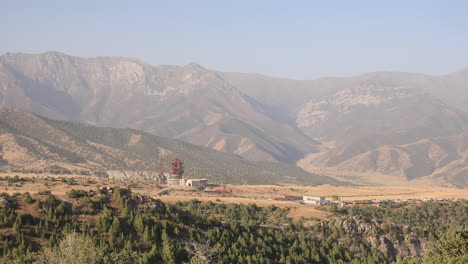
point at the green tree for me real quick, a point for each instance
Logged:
(138, 224)
(73, 194)
(114, 229)
(28, 199)
(452, 248)
(167, 253)
(72, 249)
(18, 224)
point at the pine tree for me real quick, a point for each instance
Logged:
(146, 235)
(126, 212)
(114, 229)
(167, 248)
(451, 248)
(73, 194)
(138, 224)
(28, 199)
(18, 224)
(153, 252)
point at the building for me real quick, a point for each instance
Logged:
(200, 183)
(174, 181)
(313, 199)
(287, 197)
(176, 169)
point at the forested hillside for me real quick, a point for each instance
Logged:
(30, 142)
(116, 226)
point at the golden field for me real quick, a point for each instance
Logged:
(259, 194)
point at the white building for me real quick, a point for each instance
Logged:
(201, 183)
(175, 181)
(313, 199)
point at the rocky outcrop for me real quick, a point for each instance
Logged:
(396, 242)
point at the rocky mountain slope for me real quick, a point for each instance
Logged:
(366, 120)
(31, 142)
(443, 160)
(189, 103)
(337, 122)
(450, 88)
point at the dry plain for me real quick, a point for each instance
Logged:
(259, 194)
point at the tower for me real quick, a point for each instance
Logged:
(176, 169)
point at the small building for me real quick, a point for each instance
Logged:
(174, 181)
(313, 199)
(287, 197)
(200, 183)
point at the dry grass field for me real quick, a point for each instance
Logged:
(259, 194)
(364, 178)
(43, 182)
(353, 193)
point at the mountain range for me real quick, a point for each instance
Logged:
(407, 127)
(29, 142)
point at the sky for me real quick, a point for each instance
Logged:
(291, 39)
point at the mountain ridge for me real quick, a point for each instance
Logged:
(168, 101)
(31, 142)
(261, 118)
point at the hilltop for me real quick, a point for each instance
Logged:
(31, 142)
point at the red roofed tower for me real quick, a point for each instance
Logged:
(177, 167)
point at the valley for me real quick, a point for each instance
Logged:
(390, 128)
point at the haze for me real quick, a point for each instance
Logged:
(234, 132)
(309, 39)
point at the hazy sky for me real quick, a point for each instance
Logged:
(295, 39)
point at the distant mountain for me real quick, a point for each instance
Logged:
(286, 96)
(440, 160)
(340, 124)
(189, 103)
(362, 119)
(291, 95)
(401, 113)
(31, 142)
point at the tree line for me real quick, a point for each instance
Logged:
(117, 226)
